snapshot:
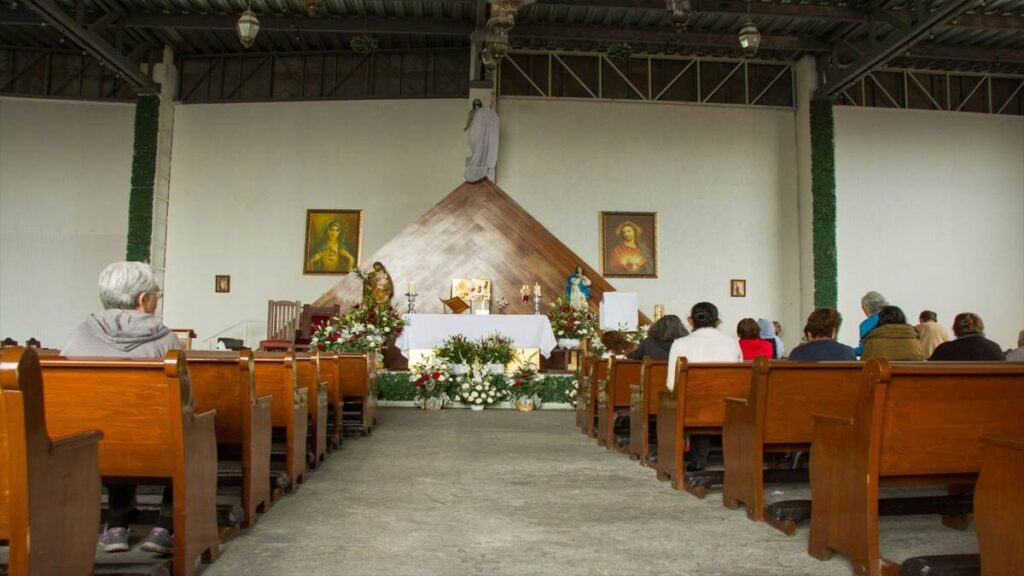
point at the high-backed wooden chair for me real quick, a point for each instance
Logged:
(282, 324)
(49, 489)
(33, 343)
(8, 343)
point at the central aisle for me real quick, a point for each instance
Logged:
(499, 492)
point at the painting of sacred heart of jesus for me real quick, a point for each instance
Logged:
(333, 241)
(629, 244)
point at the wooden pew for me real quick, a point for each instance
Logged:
(598, 375)
(316, 393)
(329, 374)
(696, 405)
(146, 410)
(226, 382)
(999, 506)
(777, 416)
(582, 376)
(613, 397)
(584, 408)
(643, 406)
(277, 376)
(915, 423)
(357, 374)
(49, 489)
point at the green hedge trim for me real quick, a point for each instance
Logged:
(395, 386)
(823, 190)
(140, 201)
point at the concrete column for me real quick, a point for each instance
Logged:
(806, 81)
(167, 74)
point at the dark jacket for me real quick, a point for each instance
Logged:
(893, 342)
(822, 351)
(656, 349)
(973, 347)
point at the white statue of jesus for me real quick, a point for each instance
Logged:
(483, 143)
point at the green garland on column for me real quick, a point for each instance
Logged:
(823, 190)
(140, 202)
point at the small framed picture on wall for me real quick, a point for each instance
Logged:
(222, 283)
(738, 288)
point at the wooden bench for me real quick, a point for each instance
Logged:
(777, 416)
(613, 398)
(582, 375)
(915, 423)
(357, 377)
(277, 376)
(696, 405)
(643, 407)
(146, 411)
(316, 393)
(226, 382)
(49, 489)
(598, 375)
(330, 376)
(584, 410)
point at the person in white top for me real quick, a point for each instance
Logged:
(704, 344)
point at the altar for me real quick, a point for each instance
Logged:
(428, 331)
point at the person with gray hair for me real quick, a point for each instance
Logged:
(127, 328)
(870, 304)
(1018, 354)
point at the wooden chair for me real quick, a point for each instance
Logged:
(613, 399)
(643, 407)
(226, 382)
(49, 489)
(357, 377)
(282, 325)
(8, 343)
(309, 380)
(146, 410)
(915, 423)
(277, 376)
(777, 416)
(696, 405)
(33, 343)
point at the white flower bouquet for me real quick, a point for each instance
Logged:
(477, 387)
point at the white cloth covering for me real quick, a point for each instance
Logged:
(703, 345)
(619, 311)
(483, 146)
(428, 331)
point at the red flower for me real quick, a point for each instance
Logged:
(435, 375)
(424, 377)
(320, 347)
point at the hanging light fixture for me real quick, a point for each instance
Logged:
(750, 37)
(248, 27)
(679, 12)
(312, 7)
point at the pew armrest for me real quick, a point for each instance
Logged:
(264, 402)
(738, 402)
(75, 441)
(821, 419)
(205, 417)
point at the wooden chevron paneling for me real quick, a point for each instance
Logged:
(477, 231)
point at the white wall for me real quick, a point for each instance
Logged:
(243, 176)
(65, 173)
(931, 214)
(723, 181)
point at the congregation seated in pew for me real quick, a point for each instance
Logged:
(893, 339)
(970, 343)
(127, 328)
(820, 334)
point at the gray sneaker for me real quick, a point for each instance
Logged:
(159, 540)
(114, 540)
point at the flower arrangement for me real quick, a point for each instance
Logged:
(457, 349)
(432, 383)
(569, 322)
(476, 387)
(525, 385)
(495, 349)
(501, 303)
(362, 328)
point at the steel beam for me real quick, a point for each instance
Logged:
(662, 36)
(893, 45)
(90, 41)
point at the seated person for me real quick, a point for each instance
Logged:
(705, 344)
(659, 339)
(930, 332)
(766, 330)
(970, 343)
(821, 330)
(870, 303)
(893, 339)
(127, 328)
(751, 343)
(1018, 354)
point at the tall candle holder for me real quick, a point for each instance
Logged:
(536, 304)
(412, 301)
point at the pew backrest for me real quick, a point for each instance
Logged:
(224, 381)
(653, 381)
(621, 375)
(785, 396)
(276, 376)
(701, 389)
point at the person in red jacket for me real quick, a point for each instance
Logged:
(750, 340)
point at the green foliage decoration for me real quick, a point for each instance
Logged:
(364, 44)
(619, 50)
(140, 199)
(823, 190)
(396, 386)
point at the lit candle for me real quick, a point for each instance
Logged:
(536, 289)
(412, 287)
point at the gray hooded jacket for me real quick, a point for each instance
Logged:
(121, 334)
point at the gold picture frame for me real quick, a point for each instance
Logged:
(738, 288)
(327, 255)
(629, 244)
(222, 283)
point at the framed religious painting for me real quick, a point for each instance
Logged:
(334, 239)
(629, 244)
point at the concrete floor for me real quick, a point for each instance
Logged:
(498, 492)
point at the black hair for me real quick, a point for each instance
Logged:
(704, 315)
(668, 327)
(928, 316)
(891, 315)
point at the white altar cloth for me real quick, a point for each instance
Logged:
(428, 331)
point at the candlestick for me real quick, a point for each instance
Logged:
(412, 287)
(536, 301)
(411, 295)
(536, 289)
